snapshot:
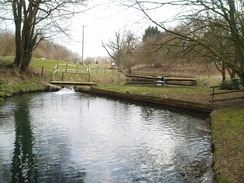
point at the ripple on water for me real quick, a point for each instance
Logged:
(80, 138)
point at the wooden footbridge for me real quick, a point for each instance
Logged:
(65, 69)
(72, 83)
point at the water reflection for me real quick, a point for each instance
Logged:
(23, 158)
(32, 158)
(81, 138)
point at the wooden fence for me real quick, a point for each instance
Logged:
(214, 93)
(70, 69)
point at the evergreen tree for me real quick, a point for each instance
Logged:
(151, 32)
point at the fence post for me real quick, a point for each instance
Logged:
(243, 95)
(89, 77)
(213, 95)
(63, 76)
(53, 73)
(42, 74)
(88, 69)
(66, 68)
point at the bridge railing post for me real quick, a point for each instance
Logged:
(88, 69)
(63, 76)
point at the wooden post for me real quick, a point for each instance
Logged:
(77, 68)
(89, 78)
(63, 76)
(53, 73)
(66, 68)
(42, 74)
(213, 95)
(88, 69)
(243, 94)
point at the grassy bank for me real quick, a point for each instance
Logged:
(12, 82)
(198, 95)
(228, 141)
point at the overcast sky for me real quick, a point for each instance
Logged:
(103, 19)
(102, 22)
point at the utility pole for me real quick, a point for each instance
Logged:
(82, 53)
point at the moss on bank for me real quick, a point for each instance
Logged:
(228, 142)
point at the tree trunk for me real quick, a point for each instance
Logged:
(237, 39)
(18, 41)
(26, 62)
(223, 72)
(25, 35)
(231, 73)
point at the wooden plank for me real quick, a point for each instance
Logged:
(165, 78)
(233, 91)
(72, 83)
(141, 77)
(180, 79)
(220, 86)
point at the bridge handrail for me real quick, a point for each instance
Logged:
(57, 69)
(66, 69)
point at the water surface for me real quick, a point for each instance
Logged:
(74, 137)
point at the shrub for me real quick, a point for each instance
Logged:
(157, 65)
(226, 85)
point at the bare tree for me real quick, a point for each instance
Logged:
(200, 18)
(121, 49)
(34, 20)
(114, 48)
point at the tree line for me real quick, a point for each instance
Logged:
(208, 31)
(36, 21)
(46, 49)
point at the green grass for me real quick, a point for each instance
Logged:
(13, 82)
(38, 63)
(228, 138)
(199, 95)
(98, 73)
(8, 59)
(222, 179)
